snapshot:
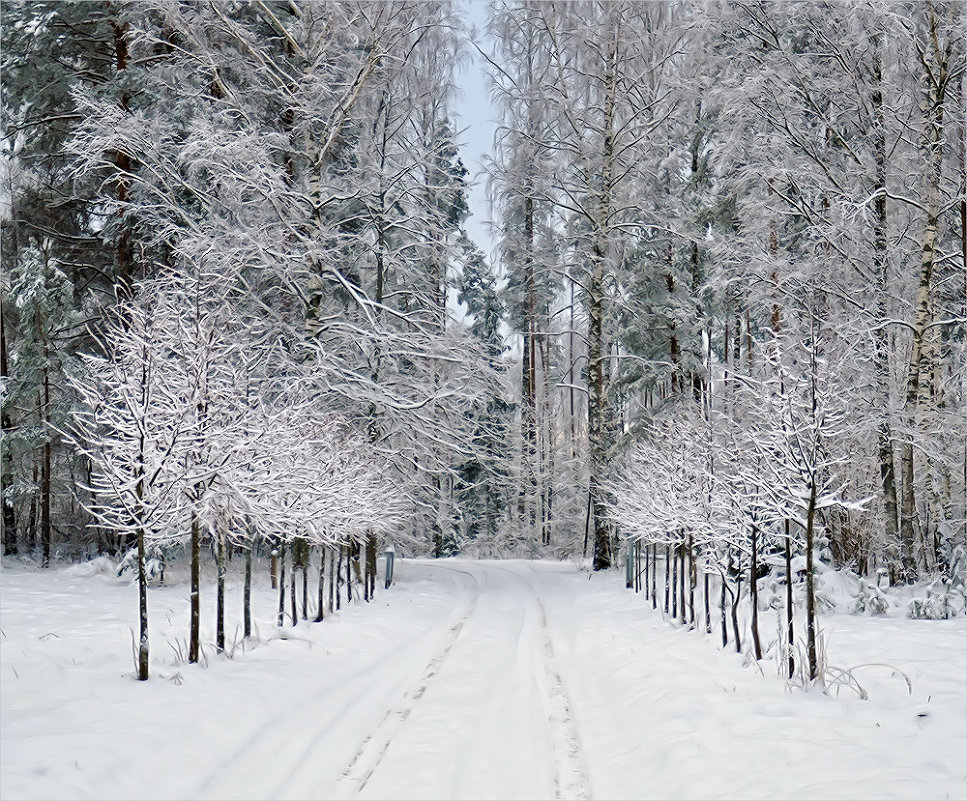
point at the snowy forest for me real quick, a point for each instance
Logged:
(715, 348)
(240, 303)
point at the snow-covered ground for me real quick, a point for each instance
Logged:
(465, 680)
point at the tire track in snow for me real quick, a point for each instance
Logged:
(370, 753)
(568, 768)
(570, 773)
(271, 742)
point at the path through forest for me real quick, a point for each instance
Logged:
(467, 679)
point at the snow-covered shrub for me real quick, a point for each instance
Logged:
(99, 566)
(942, 602)
(153, 567)
(870, 600)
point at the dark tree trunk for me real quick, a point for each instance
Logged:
(6, 468)
(292, 590)
(349, 576)
(735, 612)
(725, 627)
(45, 474)
(675, 582)
(810, 588)
(333, 577)
(220, 591)
(654, 576)
(754, 593)
(681, 599)
(708, 609)
(305, 583)
(142, 609)
(691, 583)
(247, 591)
(337, 575)
(371, 554)
(281, 550)
(647, 572)
(274, 569)
(195, 629)
(667, 574)
(790, 636)
(321, 610)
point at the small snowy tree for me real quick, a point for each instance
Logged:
(131, 424)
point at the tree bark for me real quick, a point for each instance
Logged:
(936, 65)
(247, 591)
(281, 619)
(294, 608)
(667, 574)
(790, 634)
(691, 583)
(45, 468)
(725, 628)
(683, 557)
(142, 609)
(321, 610)
(195, 569)
(810, 587)
(337, 558)
(674, 612)
(735, 612)
(6, 467)
(881, 352)
(708, 609)
(349, 575)
(754, 593)
(305, 583)
(220, 591)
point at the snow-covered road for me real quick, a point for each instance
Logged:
(465, 680)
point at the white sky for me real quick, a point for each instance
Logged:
(475, 124)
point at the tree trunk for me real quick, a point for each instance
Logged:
(936, 67)
(754, 593)
(321, 611)
(45, 474)
(674, 612)
(725, 628)
(305, 583)
(708, 610)
(810, 587)
(336, 576)
(349, 576)
(597, 395)
(142, 609)
(691, 583)
(294, 609)
(667, 574)
(790, 634)
(683, 558)
(881, 351)
(220, 591)
(371, 564)
(654, 576)
(6, 467)
(247, 591)
(281, 550)
(274, 569)
(735, 612)
(195, 569)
